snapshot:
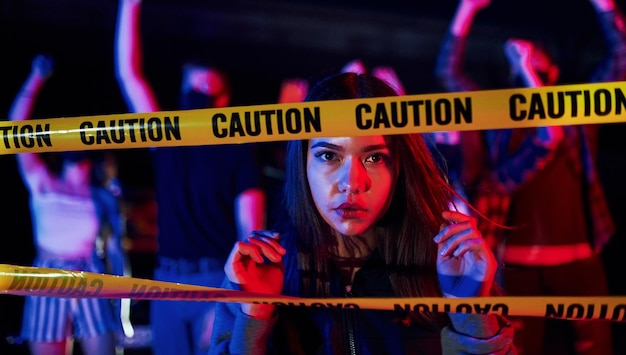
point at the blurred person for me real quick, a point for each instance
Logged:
(207, 196)
(272, 154)
(71, 212)
(522, 178)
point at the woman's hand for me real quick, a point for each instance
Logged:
(256, 265)
(43, 65)
(465, 263)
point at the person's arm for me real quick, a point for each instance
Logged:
(613, 25)
(250, 212)
(449, 64)
(537, 149)
(237, 333)
(464, 16)
(24, 102)
(136, 89)
(293, 90)
(477, 334)
(254, 265)
(115, 255)
(117, 263)
(518, 53)
(249, 203)
(32, 168)
(389, 75)
(354, 66)
(466, 267)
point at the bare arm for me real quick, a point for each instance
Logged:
(519, 53)
(293, 90)
(612, 23)
(250, 212)
(31, 166)
(464, 16)
(603, 5)
(137, 92)
(449, 65)
(389, 75)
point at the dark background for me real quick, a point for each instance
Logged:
(259, 43)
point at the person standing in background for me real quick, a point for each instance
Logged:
(521, 178)
(71, 212)
(272, 154)
(207, 196)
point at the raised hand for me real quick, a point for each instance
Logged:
(388, 75)
(477, 4)
(464, 16)
(256, 263)
(465, 263)
(518, 51)
(43, 65)
(354, 66)
(293, 90)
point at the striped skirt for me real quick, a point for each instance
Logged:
(50, 319)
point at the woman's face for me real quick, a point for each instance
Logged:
(352, 180)
(77, 172)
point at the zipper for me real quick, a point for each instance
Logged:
(349, 323)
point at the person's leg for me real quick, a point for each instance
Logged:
(586, 278)
(203, 328)
(49, 348)
(529, 331)
(202, 314)
(95, 325)
(102, 344)
(45, 326)
(170, 334)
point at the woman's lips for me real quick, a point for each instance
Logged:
(350, 210)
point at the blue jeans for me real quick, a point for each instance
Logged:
(184, 327)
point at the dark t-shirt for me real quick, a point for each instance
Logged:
(196, 189)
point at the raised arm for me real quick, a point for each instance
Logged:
(518, 53)
(449, 65)
(293, 90)
(537, 149)
(136, 89)
(389, 75)
(250, 212)
(24, 102)
(613, 26)
(31, 166)
(464, 16)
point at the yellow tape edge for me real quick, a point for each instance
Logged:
(49, 282)
(594, 103)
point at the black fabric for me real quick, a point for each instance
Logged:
(328, 331)
(195, 189)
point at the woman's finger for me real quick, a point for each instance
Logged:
(448, 231)
(267, 247)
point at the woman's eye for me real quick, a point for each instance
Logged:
(325, 155)
(375, 158)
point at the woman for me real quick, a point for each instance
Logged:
(366, 217)
(72, 211)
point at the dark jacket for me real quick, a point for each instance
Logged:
(309, 330)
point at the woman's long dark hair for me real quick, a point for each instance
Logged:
(405, 231)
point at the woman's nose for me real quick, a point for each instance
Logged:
(353, 177)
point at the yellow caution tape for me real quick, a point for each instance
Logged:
(33, 281)
(476, 110)
(596, 103)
